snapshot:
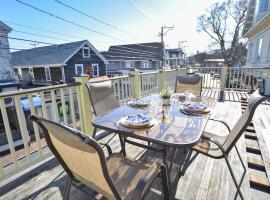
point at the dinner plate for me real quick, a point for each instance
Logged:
(138, 103)
(124, 122)
(194, 107)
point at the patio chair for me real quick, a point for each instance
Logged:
(219, 147)
(103, 100)
(193, 83)
(115, 177)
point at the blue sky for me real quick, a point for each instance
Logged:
(142, 19)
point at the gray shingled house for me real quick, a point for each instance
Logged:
(58, 63)
(143, 56)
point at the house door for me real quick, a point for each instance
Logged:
(95, 70)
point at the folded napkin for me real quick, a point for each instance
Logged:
(195, 106)
(138, 102)
(139, 119)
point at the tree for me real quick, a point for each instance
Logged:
(223, 23)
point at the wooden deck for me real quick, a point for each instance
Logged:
(204, 178)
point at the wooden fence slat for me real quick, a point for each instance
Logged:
(43, 102)
(64, 107)
(23, 127)
(36, 131)
(72, 109)
(54, 106)
(8, 133)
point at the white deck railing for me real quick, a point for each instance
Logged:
(58, 103)
(69, 104)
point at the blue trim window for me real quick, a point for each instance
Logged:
(263, 6)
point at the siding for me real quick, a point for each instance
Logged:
(78, 59)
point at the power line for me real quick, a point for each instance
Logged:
(26, 40)
(68, 21)
(40, 35)
(94, 18)
(43, 30)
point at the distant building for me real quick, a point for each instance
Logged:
(143, 56)
(257, 30)
(174, 57)
(6, 72)
(7, 82)
(58, 63)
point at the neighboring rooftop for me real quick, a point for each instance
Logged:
(4, 27)
(48, 55)
(141, 51)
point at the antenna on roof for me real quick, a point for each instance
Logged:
(34, 44)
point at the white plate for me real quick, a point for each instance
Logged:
(123, 121)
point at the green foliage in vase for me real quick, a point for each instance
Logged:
(166, 94)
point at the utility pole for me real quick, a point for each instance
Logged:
(162, 34)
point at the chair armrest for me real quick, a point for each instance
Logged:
(144, 183)
(223, 122)
(109, 149)
(215, 142)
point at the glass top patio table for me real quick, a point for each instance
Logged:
(175, 130)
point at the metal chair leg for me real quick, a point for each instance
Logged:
(67, 188)
(240, 159)
(233, 177)
(166, 191)
(122, 143)
(94, 132)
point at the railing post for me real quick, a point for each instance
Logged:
(223, 78)
(162, 79)
(136, 84)
(84, 101)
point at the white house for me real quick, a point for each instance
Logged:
(6, 71)
(257, 30)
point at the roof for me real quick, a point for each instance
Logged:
(141, 51)
(4, 27)
(53, 55)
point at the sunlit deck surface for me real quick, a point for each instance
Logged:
(205, 178)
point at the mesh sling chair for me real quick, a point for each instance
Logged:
(220, 147)
(193, 83)
(115, 177)
(103, 100)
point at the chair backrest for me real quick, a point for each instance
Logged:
(254, 101)
(193, 83)
(80, 155)
(102, 96)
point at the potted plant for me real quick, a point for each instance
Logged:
(166, 96)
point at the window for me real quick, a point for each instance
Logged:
(145, 64)
(48, 73)
(86, 52)
(259, 48)
(263, 6)
(129, 64)
(95, 70)
(78, 69)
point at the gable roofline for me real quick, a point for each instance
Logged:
(91, 47)
(6, 27)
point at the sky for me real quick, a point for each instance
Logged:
(137, 21)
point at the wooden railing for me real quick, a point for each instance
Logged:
(69, 104)
(25, 145)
